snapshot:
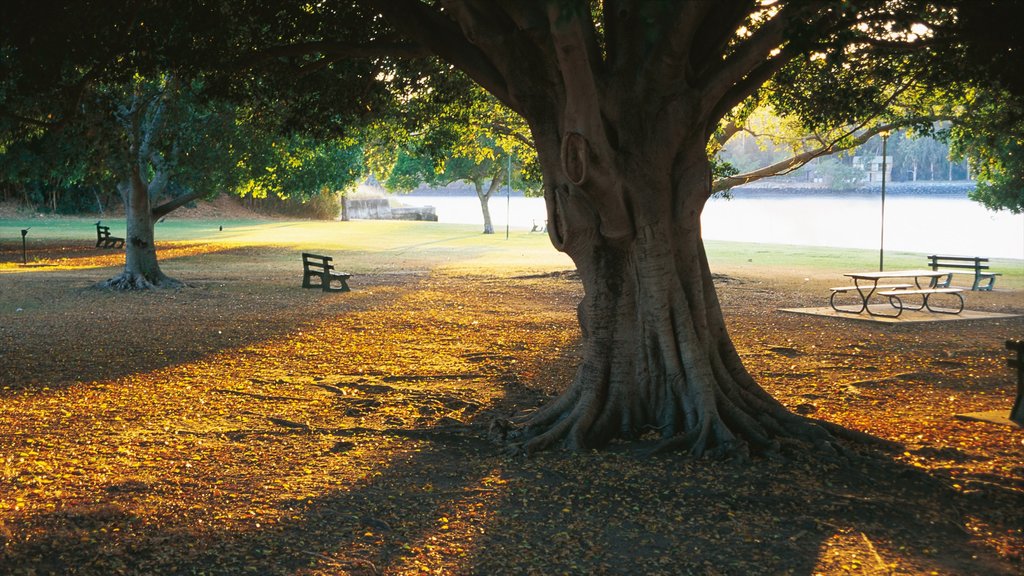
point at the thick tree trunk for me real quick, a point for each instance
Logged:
(141, 267)
(657, 359)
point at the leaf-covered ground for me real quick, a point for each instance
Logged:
(245, 426)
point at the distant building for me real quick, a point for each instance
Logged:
(873, 168)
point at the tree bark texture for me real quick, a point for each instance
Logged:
(657, 358)
(146, 178)
(141, 267)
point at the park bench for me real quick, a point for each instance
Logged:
(105, 240)
(896, 299)
(317, 266)
(964, 265)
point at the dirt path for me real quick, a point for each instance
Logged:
(242, 427)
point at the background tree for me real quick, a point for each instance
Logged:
(313, 174)
(170, 147)
(991, 138)
(100, 80)
(471, 144)
(150, 139)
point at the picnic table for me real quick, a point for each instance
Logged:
(866, 284)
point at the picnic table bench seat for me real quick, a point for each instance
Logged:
(896, 299)
(320, 267)
(105, 240)
(975, 266)
(844, 289)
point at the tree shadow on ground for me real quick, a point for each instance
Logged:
(60, 331)
(432, 495)
(445, 499)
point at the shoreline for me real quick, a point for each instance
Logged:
(957, 188)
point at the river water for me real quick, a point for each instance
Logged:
(940, 220)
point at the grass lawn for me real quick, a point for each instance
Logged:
(242, 425)
(394, 245)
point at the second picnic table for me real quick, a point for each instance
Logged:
(867, 284)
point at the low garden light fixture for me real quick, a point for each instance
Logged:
(24, 253)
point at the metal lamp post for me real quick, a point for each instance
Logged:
(881, 241)
(508, 195)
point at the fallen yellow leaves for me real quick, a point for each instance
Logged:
(235, 428)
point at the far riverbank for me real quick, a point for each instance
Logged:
(933, 218)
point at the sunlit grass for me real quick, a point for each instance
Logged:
(394, 246)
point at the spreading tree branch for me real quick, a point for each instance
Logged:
(336, 50)
(442, 36)
(839, 144)
(175, 203)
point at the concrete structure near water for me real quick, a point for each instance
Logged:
(381, 209)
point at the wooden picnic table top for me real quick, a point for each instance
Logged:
(895, 274)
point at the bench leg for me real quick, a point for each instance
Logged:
(307, 276)
(832, 303)
(896, 303)
(340, 280)
(957, 311)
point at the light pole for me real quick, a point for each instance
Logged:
(508, 195)
(881, 241)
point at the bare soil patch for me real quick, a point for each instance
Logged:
(243, 425)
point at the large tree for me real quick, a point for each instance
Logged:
(623, 99)
(162, 156)
(150, 139)
(90, 96)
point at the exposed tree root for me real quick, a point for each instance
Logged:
(657, 358)
(127, 281)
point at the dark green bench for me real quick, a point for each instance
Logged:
(320, 267)
(964, 265)
(105, 240)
